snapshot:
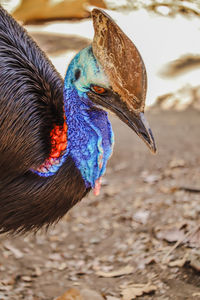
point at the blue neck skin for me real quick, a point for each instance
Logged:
(89, 135)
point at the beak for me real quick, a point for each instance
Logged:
(135, 120)
(141, 127)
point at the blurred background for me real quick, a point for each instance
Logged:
(141, 236)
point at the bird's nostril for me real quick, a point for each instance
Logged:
(144, 134)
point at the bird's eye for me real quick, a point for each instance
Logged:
(77, 74)
(98, 89)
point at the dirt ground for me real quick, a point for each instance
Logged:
(126, 235)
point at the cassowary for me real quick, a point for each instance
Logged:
(55, 136)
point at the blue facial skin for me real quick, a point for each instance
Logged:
(89, 136)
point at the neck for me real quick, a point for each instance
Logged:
(90, 136)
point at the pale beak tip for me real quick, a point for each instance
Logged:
(144, 131)
(153, 150)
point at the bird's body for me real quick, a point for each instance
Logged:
(55, 138)
(31, 102)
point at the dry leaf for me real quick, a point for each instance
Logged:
(55, 256)
(16, 252)
(172, 234)
(168, 189)
(134, 290)
(43, 10)
(150, 260)
(141, 216)
(88, 294)
(179, 262)
(71, 294)
(38, 271)
(194, 239)
(29, 10)
(194, 259)
(150, 178)
(123, 271)
(176, 163)
(26, 278)
(196, 295)
(98, 3)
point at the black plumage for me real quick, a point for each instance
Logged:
(36, 89)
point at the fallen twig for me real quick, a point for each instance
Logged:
(190, 233)
(188, 189)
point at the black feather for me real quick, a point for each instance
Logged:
(31, 98)
(31, 101)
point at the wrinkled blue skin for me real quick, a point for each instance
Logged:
(89, 137)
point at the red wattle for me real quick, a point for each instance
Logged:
(58, 140)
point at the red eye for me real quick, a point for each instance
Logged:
(98, 89)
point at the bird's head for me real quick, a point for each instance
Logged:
(111, 75)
